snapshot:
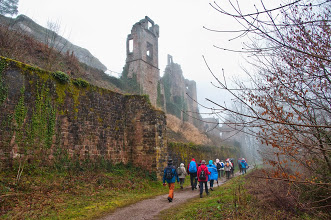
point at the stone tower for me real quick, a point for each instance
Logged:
(180, 93)
(142, 58)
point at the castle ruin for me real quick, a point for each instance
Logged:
(172, 93)
(142, 57)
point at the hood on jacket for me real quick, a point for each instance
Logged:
(211, 162)
(181, 165)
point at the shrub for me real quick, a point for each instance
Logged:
(61, 77)
(80, 82)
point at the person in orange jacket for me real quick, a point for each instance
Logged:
(203, 177)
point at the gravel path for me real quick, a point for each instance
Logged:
(150, 208)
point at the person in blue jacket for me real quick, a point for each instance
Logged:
(170, 175)
(213, 174)
(244, 165)
(192, 169)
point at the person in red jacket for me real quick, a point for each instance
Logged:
(203, 177)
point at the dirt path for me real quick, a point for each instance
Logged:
(150, 208)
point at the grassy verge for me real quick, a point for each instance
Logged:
(233, 200)
(74, 195)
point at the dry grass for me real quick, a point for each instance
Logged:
(272, 195)
(21, 47)
(186, 130)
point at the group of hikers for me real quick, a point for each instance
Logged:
(200, 172)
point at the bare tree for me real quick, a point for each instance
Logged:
(288, 100)
(8, 7)
(54, 43)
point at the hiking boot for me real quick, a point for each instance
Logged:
(192, 188)
(181, 187)
(169, 199)
(211, 189)
(200, 195)
(207, 193)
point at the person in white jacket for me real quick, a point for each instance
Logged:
(220, 168)
(181, 174)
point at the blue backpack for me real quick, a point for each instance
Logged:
(193, 167)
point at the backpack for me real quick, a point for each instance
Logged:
(169, 174)
(193, 167)
(179, 171)
(219, 166)
(227, 164)
(222, 165)
(202, 175)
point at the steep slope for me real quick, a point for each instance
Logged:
(179, 131)
(52, 39)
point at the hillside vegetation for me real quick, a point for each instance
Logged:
(185, 132)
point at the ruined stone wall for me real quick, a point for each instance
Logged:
(180, 93)
(88, 121)
(142, 56)
(191, 99)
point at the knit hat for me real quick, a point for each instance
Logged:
(211, 162)
(203, 162)
(170, 162)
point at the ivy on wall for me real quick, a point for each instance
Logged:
(130, 85)
(42, 123)
(3, 87)
(35, 132)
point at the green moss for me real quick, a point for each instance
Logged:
(130, 85)
(3, 87)
(20, 110)
(100, 120)
(75, 92)
(146, 97)
(60, 91)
